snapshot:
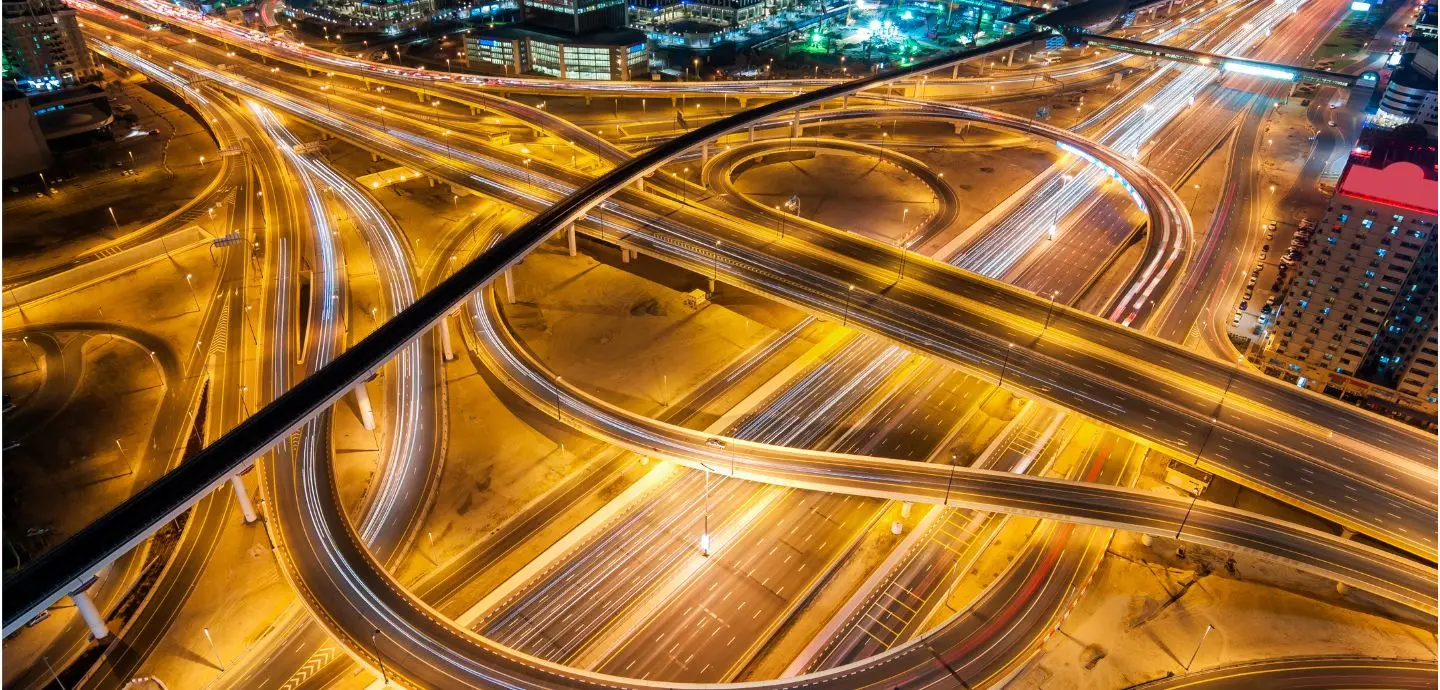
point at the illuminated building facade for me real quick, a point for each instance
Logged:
(43, 48)
(1360, 311)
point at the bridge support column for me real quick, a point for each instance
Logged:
(1147, 540)
(362, 400)
(743, 101)
(640, 184)
(242, 496)
(905, 509)
(705, 153)
(374, 157)
(420, 96)
(433, 182)
(445, 350)
(1342, 588)
(509, 286)
(624, 255)
(86, 606)
(795, 124)
(955, 71)
(752, 134)
(897, 527)
(1347, 533)
(587, 100)
(1010, 57)
(711, 282)
(570, 238)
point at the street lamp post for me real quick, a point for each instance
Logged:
(901, 244)
(558, 402)
(1050, 310)
(53, 674)
(705, 526)
(381, 109)
(1009, 347)
(1196, 653)
(191, 283)
(375, 644)
(113, 219)
(848, 290)
(213, 649)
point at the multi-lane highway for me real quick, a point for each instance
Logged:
(1228, 420)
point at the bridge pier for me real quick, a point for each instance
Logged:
(795, 125)
(445, 350)
(243, 497)
(905, 508)
(897, 528)
(374, 157)
(570, 238)
(362, 400)
(1342, 588)
(624, 255)
(86, 606)
(705, 153)
(640, 184)
(1147, 540)
(509, 286)
(711, 282)
(752, 134)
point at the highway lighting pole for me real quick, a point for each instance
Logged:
(1006, 365)
(53, 674)
(1195, 496)
(782, 220)
(381, 109)
(375, 644)
(715, 277)
(125, 456)
(705, 528)
(111, 209)
(901, 244)
(213, 650)
(1196, 653)
(1050, 310)
(846, 321)
(190, 282)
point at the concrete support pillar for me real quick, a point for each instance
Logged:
(432, 182)
(587, 100)
(712, 285)
(1010, 57)
(374, 157)
(795, 125)
(445, 350)
(640, 184)
(705, 153)
(1347, 533)
(570, 238)
(905, 509)
(1342, 588)
(955, 71)
(672, 101)
(743, 102)
(243, 497)
(509, 286)
(420, 96)
(897, 528)
(367, 413)
(624, 255)
(752, 133)
(844, 102)
(1147, 540)
(87, 610)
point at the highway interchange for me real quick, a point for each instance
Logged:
(978, 336)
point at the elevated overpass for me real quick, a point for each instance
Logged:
(1242, 66)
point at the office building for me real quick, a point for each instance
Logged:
(614, 55)
(565, 39)
(1360, 312)
(43, 48)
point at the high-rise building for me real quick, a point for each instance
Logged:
(43, 48)
(1361, 308)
